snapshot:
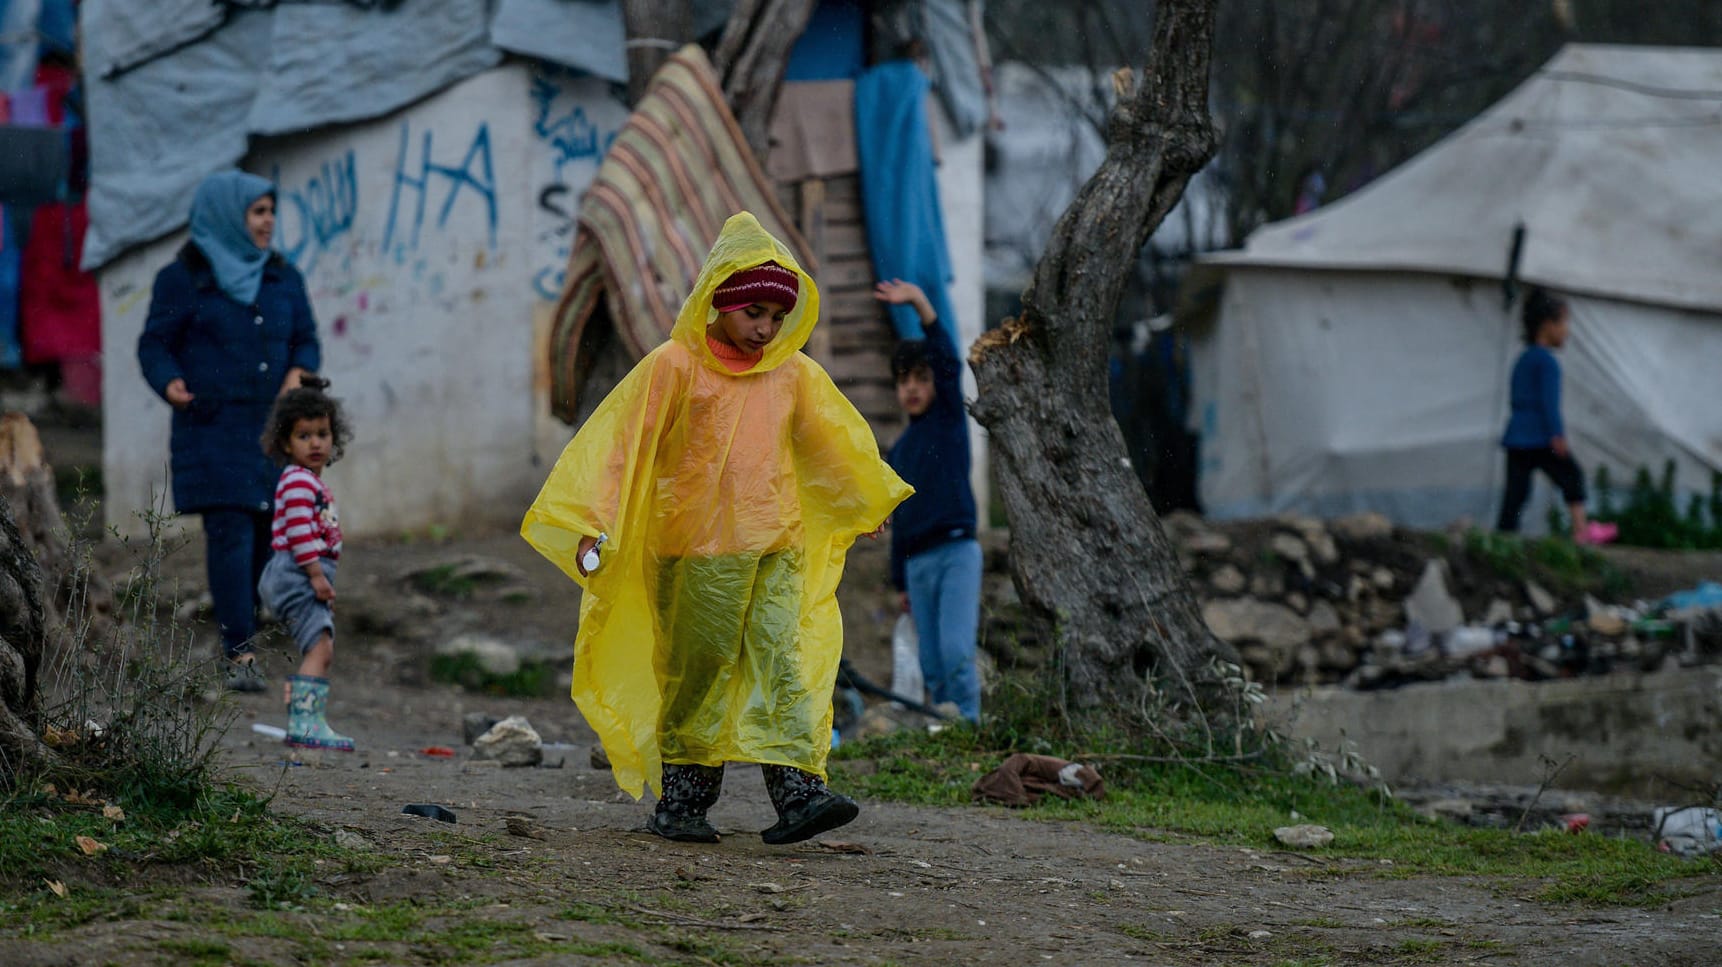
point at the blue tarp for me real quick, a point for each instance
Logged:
(900, 189)
(834, 45)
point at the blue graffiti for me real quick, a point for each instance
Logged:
(324, 209)
(571, 133)
(475, 174)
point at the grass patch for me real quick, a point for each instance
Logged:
(1242, 804)
(1568, 567)
(530, 680)
(227, 831)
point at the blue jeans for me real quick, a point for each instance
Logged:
(945, 596)
(236, 544)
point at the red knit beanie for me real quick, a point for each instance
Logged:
(768, 282)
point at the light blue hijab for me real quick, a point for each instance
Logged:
(218, 228)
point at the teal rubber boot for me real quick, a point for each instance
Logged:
(307, 728)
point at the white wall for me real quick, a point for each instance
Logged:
(962, 198)
(433, 243)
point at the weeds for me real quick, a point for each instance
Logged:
(530, 680)
(1652, 517)
(1159, 791)
(1555, 559)
(126, 704)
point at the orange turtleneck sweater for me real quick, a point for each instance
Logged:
(734, 359)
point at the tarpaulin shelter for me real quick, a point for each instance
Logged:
(177, 87)
(1359, 356)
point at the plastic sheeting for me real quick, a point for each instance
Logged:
(1607, 156)
(1340, 391)
(710, 632)
(165, 119)
(585, 34)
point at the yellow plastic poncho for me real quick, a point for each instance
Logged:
(710, 632)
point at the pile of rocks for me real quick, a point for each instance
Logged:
(1358, 601)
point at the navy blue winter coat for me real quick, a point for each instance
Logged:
(233, 359)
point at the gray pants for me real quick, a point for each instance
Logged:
(286, 589)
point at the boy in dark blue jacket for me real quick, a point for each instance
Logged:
(935, 559)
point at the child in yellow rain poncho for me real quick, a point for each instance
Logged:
(730, 478)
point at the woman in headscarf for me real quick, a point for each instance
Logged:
(229, 329)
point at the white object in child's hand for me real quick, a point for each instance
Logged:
(590, 561)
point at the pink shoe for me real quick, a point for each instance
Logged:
(1597, 532)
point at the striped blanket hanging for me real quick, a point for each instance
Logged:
(675, 172)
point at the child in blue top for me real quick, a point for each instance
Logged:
(935, 559)
(1536, 437)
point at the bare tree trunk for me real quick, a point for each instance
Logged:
(751, 57)
(23, 640)
(656, 29)
(1089, 557)
(53, 605)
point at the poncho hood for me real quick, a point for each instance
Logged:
(742, 244)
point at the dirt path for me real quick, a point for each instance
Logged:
(903, 885)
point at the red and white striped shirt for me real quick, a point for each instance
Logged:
(305, 520)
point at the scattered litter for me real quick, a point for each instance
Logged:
(1687, 831)
(272, 731)
(1306, 836)
(429, 811)
(437, 752)
(906, 660)
(1576, 822)
(1260, 934)
(441, 859)
(1023, 778)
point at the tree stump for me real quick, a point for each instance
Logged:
(23, 641)
(70, 613)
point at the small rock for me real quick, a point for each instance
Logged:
(1457, 810)
(347, 839)
(1542, 602)
(1228, 580)
(1206, 543)
(1323, 619)
(1298, 602)
(521, 826)
(1289, 547)
(1363, 527)
(1260, 934)
(441, 859)
(1499, 612)
(1305, 836)
(512, 742)
(1268, 585)
(1335, 655)
(1383, 579)
(495, 656)
(1431, 605)
(599, 758)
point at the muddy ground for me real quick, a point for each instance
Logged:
(903, 885)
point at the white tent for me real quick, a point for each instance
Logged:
(1360, 353)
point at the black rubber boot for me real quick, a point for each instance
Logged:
(689, 790)
(805, 806)
(682, 829)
